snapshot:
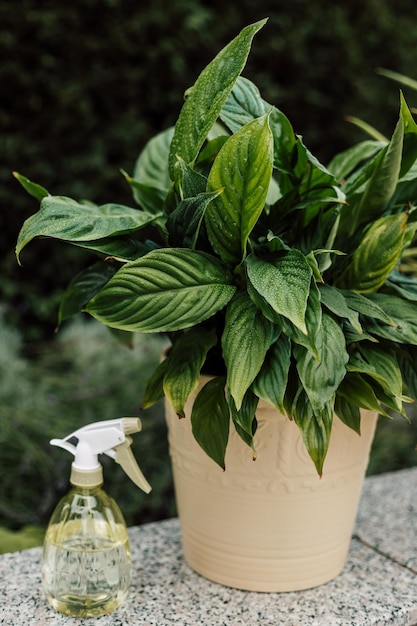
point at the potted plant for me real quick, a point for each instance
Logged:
(277, 278)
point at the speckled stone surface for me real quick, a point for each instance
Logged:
(390, 524)
(377, 587)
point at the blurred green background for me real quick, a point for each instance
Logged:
(83, 86)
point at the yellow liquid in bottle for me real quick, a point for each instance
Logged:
(86, 566)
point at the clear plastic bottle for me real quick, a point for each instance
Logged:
(86, 565)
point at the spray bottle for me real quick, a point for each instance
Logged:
(86, 565)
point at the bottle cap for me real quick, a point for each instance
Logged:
(108, 437)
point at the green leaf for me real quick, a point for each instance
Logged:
(352, 336)
(315, 428)
(149, 199)
(334, 300)
(381, 186)
(311, 258)
(243, 105)
(210, 420)
(284, 140)
(33, 189)
(154, 390)
(356, 390)
(348, 413)
(379, 364)
(392, 402)
(313, 320)
(376, 255)
(246, 338)
(321, 378)
(151, 167)
(184, 364)
(119, 248)
(185, 221)
(68, 220)
(346, 162)
(263, 306)
(410, 138)
(206, 98)
(402, 313)
(243, 168)
(244, 419)
(83, 287)
(150, 182)
(366, 306)
(247, 439)
(283, 280)
(189, 182)
(312, 174)
(313, 316)
(271, 382)
(166, 290)
(407, 360)
(406, 189)
(209, 152)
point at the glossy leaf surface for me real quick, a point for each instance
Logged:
(151, 167)
(66, 219)
(381, 185)
(315, 428)
(284, 281)
(123, 248)
(166, 290)
(245, 104)
(243, 168)
(33, 189)
(184, 223)
(320, 378)
(206, 98)
(376, 255)
(245, 341)
(380, 365)
(83, 287)
(244, 419)
(210, 420)
(184, 364)
(271, 382)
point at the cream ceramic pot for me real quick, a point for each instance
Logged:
(271, 524)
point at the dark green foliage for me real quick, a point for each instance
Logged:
(84, 85)
(278, 225)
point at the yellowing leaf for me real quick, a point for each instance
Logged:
(376, 255)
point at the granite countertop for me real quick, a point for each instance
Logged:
(377, 587)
